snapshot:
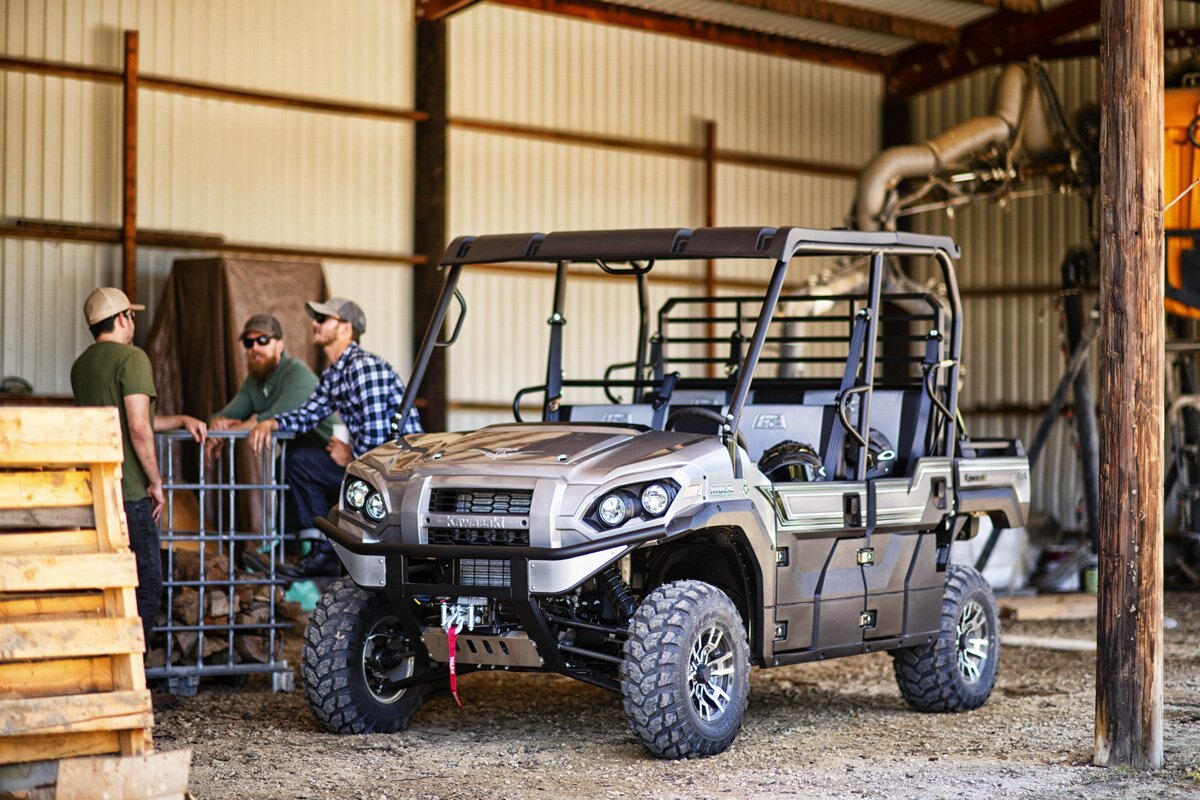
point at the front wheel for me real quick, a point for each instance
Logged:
(686, 672)
(955, 672)
(354, 651)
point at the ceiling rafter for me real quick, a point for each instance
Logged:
(860, 18)
(430, 10)
(1019, 6)
(700, 30)
(1001, 38)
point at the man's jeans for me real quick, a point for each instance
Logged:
(144, 541)
(315, 481)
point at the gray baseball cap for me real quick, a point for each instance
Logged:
(342, 309)
(263, 323)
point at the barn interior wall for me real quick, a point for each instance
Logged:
(529, 69)
(292, 177)
(1010, 270)
(256, 175)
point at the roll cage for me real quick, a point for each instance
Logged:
(635, 252)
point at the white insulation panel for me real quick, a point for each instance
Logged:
(253, 174)
(553, 72)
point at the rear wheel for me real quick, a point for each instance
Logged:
(685, 677)
(354, 651)
(955, 672)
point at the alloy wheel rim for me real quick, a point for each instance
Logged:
(386, 658)
(710, 673)
(974, 641)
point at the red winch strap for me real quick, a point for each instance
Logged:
(452, 649)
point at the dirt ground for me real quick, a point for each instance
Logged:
(837, 729)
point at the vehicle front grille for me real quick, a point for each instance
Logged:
(483, 572)
(510, 502)
(497, 537)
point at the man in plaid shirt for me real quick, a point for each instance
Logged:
(365, 391)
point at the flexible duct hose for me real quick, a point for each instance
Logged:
(926, 158)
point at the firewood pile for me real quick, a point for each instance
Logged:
(222, 603)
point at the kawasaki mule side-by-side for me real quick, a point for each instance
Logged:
(762, 480)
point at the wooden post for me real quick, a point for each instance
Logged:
(710, 219)
(1129, 667)
(129, 79)
(429, 224)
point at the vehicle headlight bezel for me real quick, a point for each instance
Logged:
(375, 507)
(356, 494)
(615, 509)
(630, 499)
(659, 499)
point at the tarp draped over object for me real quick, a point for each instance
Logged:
(199, 364)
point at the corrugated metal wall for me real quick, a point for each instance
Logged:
(253, 174)
(1012, 339)
(299, 178)
(530, 69)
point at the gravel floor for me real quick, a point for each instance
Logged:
(835, 729)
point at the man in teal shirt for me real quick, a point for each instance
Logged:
(275, 383)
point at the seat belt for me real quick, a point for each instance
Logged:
(837, 434)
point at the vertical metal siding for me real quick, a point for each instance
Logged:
(253, 174)
(385, 294)
(1012, 342)
(540, 70)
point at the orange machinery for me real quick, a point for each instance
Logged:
(1181, 166)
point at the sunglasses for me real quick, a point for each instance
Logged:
(321, 318)
(261, 341)
(128, 313)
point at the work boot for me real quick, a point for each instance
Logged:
(322, 562)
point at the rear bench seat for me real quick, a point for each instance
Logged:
(896, 413)
(623, 414)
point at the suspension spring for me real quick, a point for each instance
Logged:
(617, 592)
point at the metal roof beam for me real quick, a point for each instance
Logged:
(864, 19)
(430, 10)
(1019, 6)
(1001, 38)
(1173, 39)
(715, 33)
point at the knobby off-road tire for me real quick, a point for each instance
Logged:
(686, 674)
(352, 647)
(955, 672)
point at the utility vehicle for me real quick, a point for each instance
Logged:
(771, 479)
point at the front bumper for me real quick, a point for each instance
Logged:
(386, 565)
(359, 546)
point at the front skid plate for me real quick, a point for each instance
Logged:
(513, 650)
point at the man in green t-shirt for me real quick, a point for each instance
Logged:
(112, 372)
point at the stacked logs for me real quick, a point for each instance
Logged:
(223, 600)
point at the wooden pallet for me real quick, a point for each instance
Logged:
(1048, 606)
(71, 676)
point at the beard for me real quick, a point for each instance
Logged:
(263, 368)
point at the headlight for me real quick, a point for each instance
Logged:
(375, 507)
(356, 494)
(615, 509)
(655, 499)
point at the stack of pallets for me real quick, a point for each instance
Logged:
(71, 676)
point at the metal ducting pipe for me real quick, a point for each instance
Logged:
(895, 164)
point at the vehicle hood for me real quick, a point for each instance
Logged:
(533, 449)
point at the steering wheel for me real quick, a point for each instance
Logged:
(700, 411)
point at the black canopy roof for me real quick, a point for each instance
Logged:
(685, 243)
